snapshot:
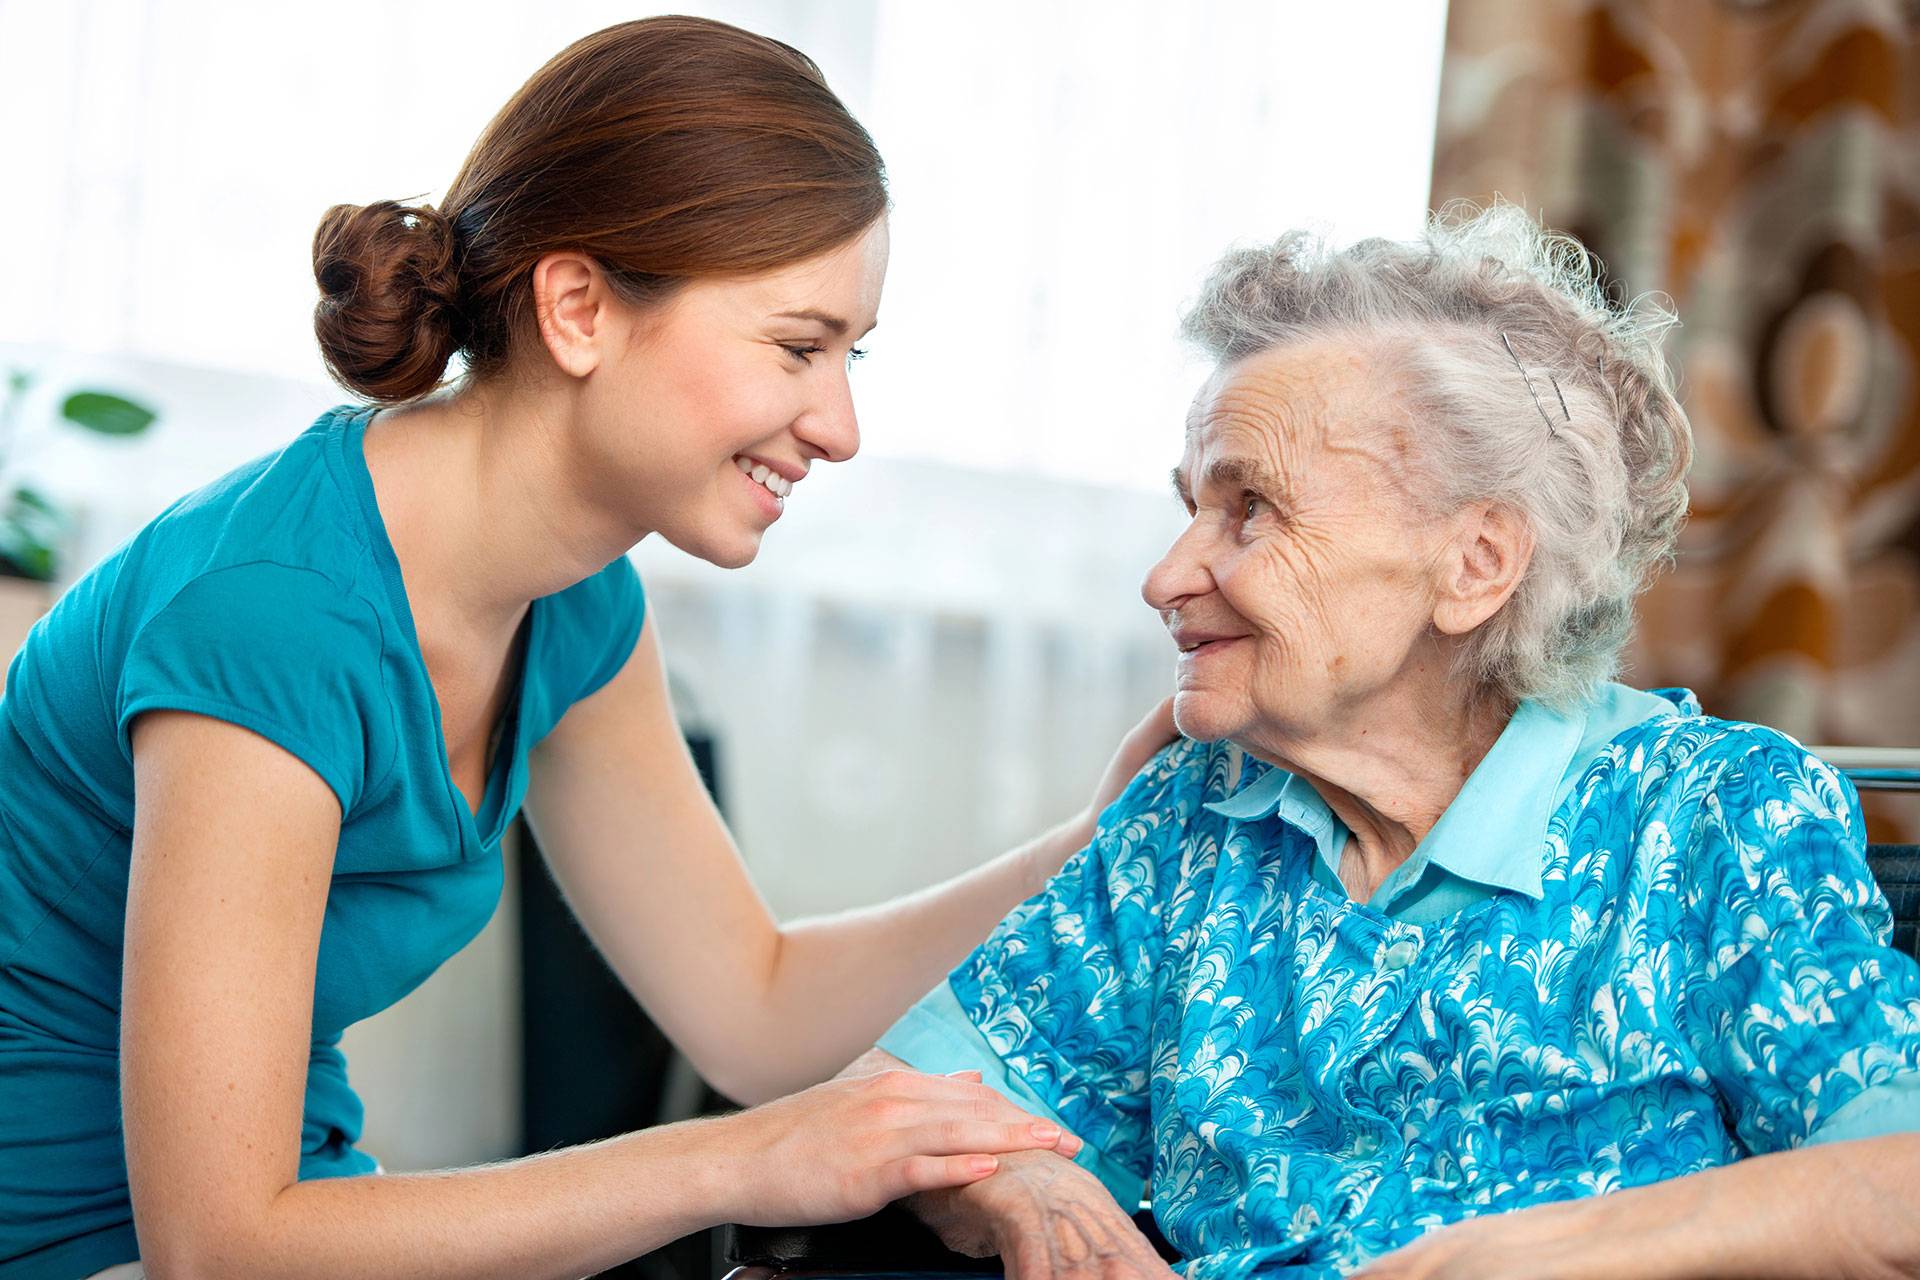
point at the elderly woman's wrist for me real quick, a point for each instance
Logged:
(1663, 1231)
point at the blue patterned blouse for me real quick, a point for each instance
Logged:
(1642, 942)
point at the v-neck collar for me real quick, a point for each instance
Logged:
(485, 825)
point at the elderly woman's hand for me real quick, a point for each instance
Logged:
(1546, 1242)
(1773, 1216)
(1047, 1219)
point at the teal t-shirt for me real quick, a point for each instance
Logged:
(271, 599)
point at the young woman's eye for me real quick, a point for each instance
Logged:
(803, 354)
(856, 353)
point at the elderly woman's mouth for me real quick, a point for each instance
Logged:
(1193, 645)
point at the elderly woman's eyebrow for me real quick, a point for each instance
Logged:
(1232, 473)
(1243, 473)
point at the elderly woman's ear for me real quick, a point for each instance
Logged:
(1480, 566)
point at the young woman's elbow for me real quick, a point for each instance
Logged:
(179, 1262)
(193, 1246)
(736, 1080)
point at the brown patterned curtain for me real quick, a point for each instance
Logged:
(1759, 162)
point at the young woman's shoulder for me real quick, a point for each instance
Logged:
(588, 632)
(254, 599)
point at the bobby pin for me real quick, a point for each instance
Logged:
(1551, 429)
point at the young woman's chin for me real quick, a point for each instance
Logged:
(733, 550)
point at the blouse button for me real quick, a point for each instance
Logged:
(1401, 954)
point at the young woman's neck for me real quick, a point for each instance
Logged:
(479, 500)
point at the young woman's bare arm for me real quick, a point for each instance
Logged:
(232, 855)
(650, 869)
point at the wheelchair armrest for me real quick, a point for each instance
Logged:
(892, 1242)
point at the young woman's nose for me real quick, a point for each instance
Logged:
(829, 427)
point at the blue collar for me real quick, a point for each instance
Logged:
(1494, 832)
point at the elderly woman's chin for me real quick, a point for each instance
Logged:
(1206, 713)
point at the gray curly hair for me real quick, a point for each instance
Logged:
(1601, 480)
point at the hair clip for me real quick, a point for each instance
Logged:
(1551, 429)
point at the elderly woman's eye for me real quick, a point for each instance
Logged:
(1252, 505)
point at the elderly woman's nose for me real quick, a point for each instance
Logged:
(1180, 575)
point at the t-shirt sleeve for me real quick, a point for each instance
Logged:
(1056, 1006)
(600, 625)
(937, 1036)
(1806, 1020)
(278, 650)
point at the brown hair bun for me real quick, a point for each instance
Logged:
(388, 316)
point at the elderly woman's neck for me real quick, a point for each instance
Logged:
(1390, 770)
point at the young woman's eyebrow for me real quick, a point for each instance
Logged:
(832, 323)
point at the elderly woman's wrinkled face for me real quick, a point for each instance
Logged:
(1303, 586)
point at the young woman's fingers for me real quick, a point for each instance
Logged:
(990, 1108)
(942, 1136)
(915, 1174)
(979, 1102)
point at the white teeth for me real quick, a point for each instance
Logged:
(764, 475)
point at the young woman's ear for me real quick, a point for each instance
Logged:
(1481, 567)
(572, 307)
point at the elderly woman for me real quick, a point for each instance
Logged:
(1433, 934)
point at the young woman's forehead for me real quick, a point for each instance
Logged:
(842, 285)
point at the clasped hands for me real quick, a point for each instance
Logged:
(1049, 1219)
(1046, 1218)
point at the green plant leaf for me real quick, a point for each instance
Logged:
(32, 528)
(33, 500)
(106, 413)
(22, 555)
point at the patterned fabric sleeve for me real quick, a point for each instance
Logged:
(1793, 1001)
(1063, 990)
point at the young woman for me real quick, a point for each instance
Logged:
(255, 768)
